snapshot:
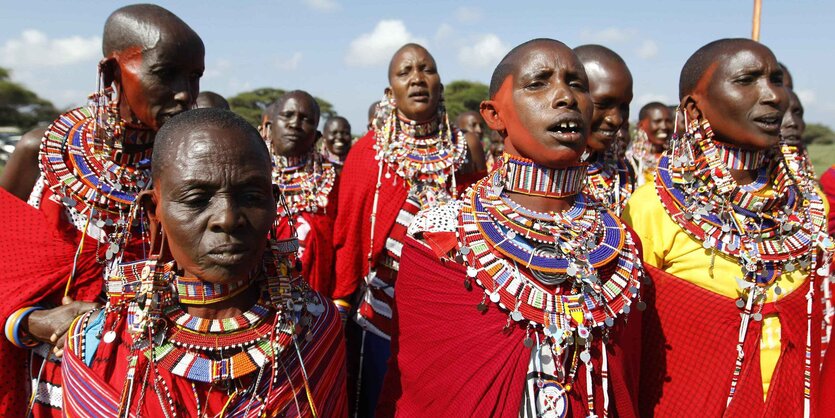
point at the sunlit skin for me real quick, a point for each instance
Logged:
(658, 125)
(211, 99)
(542, 109)
(292, 126)
(337, 135)
(743, 97)
(414, 83)
(610, 86)
(216, 206)
(793, 125)
(470, 122)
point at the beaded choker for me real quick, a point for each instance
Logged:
(524, 176)
(306, 181)
(425, 155)
(610, 182)
(740, 159)
(193, 291)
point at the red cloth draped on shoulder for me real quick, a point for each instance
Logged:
(825, 402)
(689, 350)
(37, 254)
(828, 185)
(449, 359)
(352, 229)
(318, 257)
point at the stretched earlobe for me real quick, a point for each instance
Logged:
(109, 70)
(491, 116)
(690, 108)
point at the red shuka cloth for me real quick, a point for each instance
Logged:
(828, 186)
(449, 359)
(352, 229)
(689, 350)
(36, 258)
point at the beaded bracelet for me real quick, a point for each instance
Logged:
(12, 327)
(342, 306)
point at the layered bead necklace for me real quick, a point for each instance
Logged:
(425, 154)
(640, 152)
(773, 225)
(610, 181)
(306, 181)
(564, 275)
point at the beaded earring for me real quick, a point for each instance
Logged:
(108, 125)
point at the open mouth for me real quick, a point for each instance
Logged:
(608, 133)
(769, 123)
(419, 96)
(567, 129)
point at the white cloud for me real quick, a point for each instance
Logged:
(806, 96)
(323, 5)
(289, 64)
(377, 47)
(648, 49)
(35, 49)
(468, 14)
(444, 32)
(608, 35)
(485, 52)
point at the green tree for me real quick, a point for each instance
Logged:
(20, 106)
(819, 134)
(461, 96)
(251, 104)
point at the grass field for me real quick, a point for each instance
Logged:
(822, 156)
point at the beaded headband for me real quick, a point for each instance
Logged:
(524, 176)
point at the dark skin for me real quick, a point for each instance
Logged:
(211, 99)
(291, 128)
(215, 203)
(792, 127)
(658, 125)
(21, 171)
(156, 79)
(542, 109)
(470, 122)
(415, 87)
(611, 91)
(743, 96)
(337, 135)
(372, 110)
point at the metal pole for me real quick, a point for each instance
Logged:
(755, 28)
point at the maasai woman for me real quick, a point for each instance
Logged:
(94, 160)
(655, 128)
(336, 136)
(411, 158)
(307, 183)
(513, 302)
(610, 178)
(736, 239)
(227, 328)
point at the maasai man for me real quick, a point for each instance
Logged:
(213, 332)
(211, 99)
(610, 178)
(410, 159)
(791, 130)
(337, 138)
(655, 127)
(93, 160)
(21, 171)
(512, 302)
(306, 182)
(736, 240)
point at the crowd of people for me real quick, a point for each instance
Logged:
(163, 257)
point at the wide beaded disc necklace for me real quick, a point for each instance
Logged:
(610, 182)
(774, 224)
(563, 275)
(305, 181)
(424, 154)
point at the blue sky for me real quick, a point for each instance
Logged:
(339, 49)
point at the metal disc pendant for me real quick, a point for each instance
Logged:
(109, 337)
(516, 316)
(552, 400)
(495, 298)
(551, 279)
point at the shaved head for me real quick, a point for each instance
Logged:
(644, 112)
(404, 48)
(211, 99)
(787, 76)
(705, 57)
(144, 26)
(170, 137)
(271, 112)
(590, 55)
(509, 63)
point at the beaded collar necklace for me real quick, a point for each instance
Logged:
(769, 231)
(610, 182)
(193, 291)
(521, 175)
(306, 181)
(562, 275)
(640, 151)
(425, 155)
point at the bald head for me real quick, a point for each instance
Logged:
(598, 57)
(302, 96)
(144, 26)
(510, 63)
(706, 57)
(408, 47)
(175, 134)
(211, 99)
(787, 76)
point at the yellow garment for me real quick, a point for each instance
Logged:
(668, 247)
